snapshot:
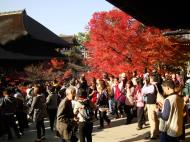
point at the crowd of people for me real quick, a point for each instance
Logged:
(161, 100)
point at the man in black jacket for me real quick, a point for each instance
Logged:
(9, 110)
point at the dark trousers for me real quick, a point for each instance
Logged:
(25, 120)
(10, 122)
(121, 107)
(85, 131)
(128, 111)
(103, 117)
(52, 115)
(165, 138)
(20, 117)
(2, 126)
(40, 126)
(96, 113)
(140, 116)
(115, 109)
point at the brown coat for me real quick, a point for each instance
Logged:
(64, 117)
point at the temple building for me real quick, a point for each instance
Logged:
(23, 40)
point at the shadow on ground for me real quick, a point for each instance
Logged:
(114, 123)
(141, 137)
(138, 138)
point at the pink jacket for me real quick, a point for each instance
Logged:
(139, 99)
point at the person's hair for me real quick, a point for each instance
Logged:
(93, 85)
(135, 73)
(52, 89)
(116, 78)
(111, 76)
(94, 80)
(83, 79)
(154, 78)
(62, 93)
(139, 82)
(102, 84)
(125, 81)
(105, 76)
(81, 93)
(71, 90)
(37, 90)
(168, 83)
(7, 91)
(145, 70)
(130, 83)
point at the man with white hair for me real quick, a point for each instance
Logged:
(65, 115)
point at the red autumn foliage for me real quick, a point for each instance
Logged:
(67, 74)
(119, 43)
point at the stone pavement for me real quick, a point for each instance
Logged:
(118, 132)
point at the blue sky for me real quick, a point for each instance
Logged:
(60, 16)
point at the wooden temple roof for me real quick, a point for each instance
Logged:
(22, 37)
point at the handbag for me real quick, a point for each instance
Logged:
(121, 99)
(159, 98)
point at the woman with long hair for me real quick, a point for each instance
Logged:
(129, 102)
(102, 103)
(92, 95)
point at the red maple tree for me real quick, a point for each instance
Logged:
(119, 43)
(67, 74)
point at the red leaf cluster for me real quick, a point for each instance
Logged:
(119, 43)
(67, 74)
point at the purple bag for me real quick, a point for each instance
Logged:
(121, 99)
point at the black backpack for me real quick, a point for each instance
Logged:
(88, 113)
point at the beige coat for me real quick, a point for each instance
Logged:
(173, 126)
